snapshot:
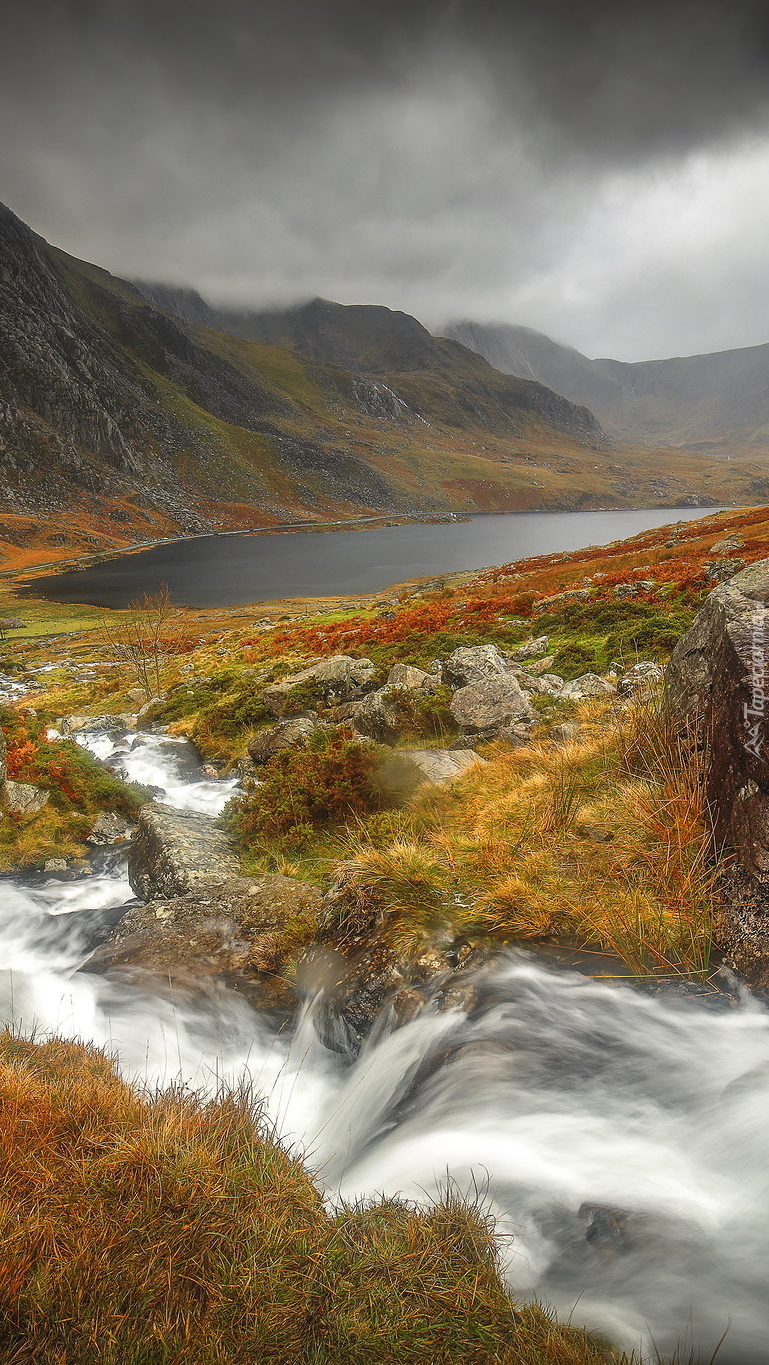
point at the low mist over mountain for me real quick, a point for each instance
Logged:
(701, 401)
(130, 402)
(111, 390)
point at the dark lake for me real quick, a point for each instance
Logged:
(229, 570)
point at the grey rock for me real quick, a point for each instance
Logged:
(382, 715)
(287, 734)
(531, 649)
(471, 663)
(544, 685)
(723, 569)
(411, 679)
(22, 798)
(640, 678)
(440, 765)
(589, 685)
(717, 685)
(489, 703)
(339, 677)
(627, 590)
(174, 852)
(55, 865)
(226, 931)
(110, 828)
(565, 732)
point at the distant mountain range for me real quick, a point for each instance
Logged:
(705, 402)
(133, 402)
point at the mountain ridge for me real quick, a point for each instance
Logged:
(707, 400)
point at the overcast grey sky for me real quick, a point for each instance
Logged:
(599, 171)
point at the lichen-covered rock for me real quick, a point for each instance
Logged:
(174, 852)
(491, 702)
(531, 649)
(472, 663)
(717, 684)
(287, 734)
(339, 678)
(110, 828)
(232, 931)
(22, 798)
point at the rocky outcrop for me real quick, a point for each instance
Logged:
(717, 686)
(473, 663)
(173, 852)
(339, 678)
(22, 798)
(232, 932)
(411, 679)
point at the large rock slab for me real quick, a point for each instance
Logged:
(174, 852)
(717, 685)
(490, 703)
(232, 932)
(411, 679)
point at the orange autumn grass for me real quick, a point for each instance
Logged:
(170, 1229)
(599, 842)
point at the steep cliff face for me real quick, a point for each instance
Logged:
(65, 392)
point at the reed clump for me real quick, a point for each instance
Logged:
(136, 1231)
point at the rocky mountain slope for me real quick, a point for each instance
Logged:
(108, 395)
(718, 401)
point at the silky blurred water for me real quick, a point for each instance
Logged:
(619, 1138)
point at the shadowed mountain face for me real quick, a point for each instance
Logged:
(111, 390)
(716, 400)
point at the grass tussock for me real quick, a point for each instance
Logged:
(136, 1231)
(599, 842)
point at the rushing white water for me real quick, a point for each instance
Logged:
(620, 1138)
(161, 762)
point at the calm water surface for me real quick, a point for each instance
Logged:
(227, 570)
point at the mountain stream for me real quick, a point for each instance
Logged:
(620, 1138)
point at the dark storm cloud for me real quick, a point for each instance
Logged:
(443, 157)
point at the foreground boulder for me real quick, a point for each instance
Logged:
(382, 715)
(717, 686)
(233, 932)
(174, 852)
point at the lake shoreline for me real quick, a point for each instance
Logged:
(375, 556)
